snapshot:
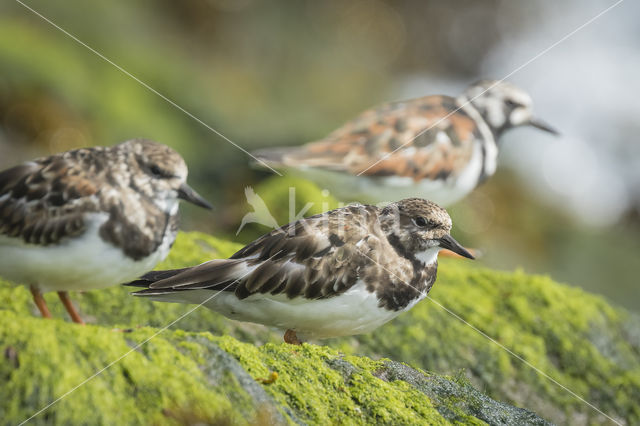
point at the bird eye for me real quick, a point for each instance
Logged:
(420, 221)
(511, 103)
(156, 171)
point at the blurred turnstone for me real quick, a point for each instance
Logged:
(436, 147)
(90, 218)
(343, 272)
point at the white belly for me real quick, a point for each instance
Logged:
(366, 189)
(354, 312)
(82, 263)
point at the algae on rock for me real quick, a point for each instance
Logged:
(174, 377)
(577, 338)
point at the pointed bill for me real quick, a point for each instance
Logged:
(449, 243)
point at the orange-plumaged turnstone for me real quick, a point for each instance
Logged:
(436, 147)
(343, 272)
(90, 218)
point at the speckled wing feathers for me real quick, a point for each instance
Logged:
(355, 148)
(43, 201)
(319, 257)
(47, 200)
(296, 260)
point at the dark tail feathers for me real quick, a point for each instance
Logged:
(151, 277)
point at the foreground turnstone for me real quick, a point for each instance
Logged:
(90, 218)
(343, 272)
(436, 147)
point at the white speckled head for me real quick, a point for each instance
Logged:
(159, 159)
(420, 227)
(160, 173)
(502, 105)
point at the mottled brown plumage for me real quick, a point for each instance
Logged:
(355, 147)
(89, 217)
(46, 200)
(437, 147)
(391, 252)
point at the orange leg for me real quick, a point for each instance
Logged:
(40, 302)
(291, 338)
(64, 297)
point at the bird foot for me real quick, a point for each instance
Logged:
(40, 302)
(75, 316)
(291, 338)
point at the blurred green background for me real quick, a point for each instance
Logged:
(284, 73)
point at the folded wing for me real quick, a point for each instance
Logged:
(295, 260)
(43, 201)
(424, 138)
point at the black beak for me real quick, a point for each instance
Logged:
(539, 124)
(185, 192)
(449, 243)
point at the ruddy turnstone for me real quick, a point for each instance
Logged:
(90, 218)
(436, 147)
(343, 272)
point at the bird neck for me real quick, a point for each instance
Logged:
(488, 137)
(428, 256)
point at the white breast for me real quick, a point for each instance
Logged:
(374, 190)
(82, 263)
(354, 312)
(429, 256)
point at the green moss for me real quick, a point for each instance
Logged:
(319, 385)
(192, 248)
(94, 375)
(45, 359)
(576, 338)
(579, 339)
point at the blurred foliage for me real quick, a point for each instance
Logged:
(279, 73)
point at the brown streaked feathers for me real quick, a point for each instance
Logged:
(47, 200)
(318, 257)
(420, 138)
(43, 201)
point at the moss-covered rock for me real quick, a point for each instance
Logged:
(587, 345)
(578, 339)
(94, 375)
(508, 330)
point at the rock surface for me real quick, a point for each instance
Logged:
(176, 377)
(184, 377)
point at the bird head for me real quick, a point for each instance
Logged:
(421, 228)
(503, 106)
(162, 174)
